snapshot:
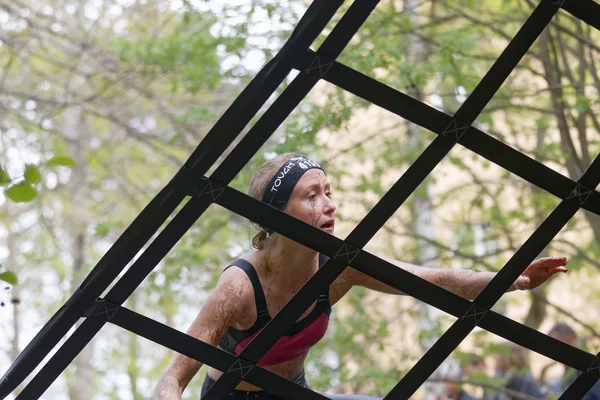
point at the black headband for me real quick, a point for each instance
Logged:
(282, 184)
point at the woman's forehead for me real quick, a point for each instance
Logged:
(311, 177)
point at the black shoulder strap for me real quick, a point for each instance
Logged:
(322, 259)
(259, 295)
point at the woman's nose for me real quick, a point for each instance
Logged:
(330, 206)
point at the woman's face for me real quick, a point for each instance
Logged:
(311, 201)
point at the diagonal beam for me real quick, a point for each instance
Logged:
(584, 382)
(508, 60)
(586, 10)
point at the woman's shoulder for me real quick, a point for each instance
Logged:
(235, 284)
(243, 266)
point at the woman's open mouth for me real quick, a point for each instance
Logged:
(328, 226)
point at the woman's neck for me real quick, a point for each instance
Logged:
(287, 265)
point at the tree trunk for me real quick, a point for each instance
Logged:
(422, 205)
(11, 262)
(573, 160)
(81, 383)
(132, 368)
(16, 328)
(538, 309)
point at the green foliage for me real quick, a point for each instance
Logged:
(187, 53)
(21, 192)
(32, 174)
(57, 161)
(8, 277)
(24, 190)
(4, 177)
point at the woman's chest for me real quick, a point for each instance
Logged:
(276, 301)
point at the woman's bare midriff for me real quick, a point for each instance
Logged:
(288, 370)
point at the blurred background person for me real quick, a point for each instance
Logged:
(566, 334)
(512, 365)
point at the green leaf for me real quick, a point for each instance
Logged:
(582, 104)
(8, 277)
(174, 139)
(21, 192)
(4, 178)
(65, 161)
(102, 230)
(32, 174)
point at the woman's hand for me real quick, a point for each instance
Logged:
(540, 271)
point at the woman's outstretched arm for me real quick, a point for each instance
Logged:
(466, 283)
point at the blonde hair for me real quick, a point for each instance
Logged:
(256, 190)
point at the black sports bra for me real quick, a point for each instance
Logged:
(233, 336)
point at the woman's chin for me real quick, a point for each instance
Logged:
(328, 229)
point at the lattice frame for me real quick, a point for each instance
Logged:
(204, 191)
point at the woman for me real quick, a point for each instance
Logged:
(257, 286)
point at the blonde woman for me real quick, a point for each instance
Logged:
(255, 287)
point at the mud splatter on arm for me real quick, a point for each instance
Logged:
(223, 308)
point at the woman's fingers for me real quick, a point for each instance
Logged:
(555, 261)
